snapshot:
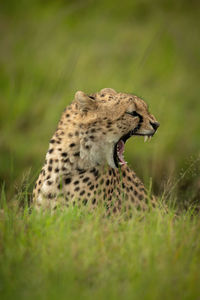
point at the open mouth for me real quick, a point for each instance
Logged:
(118, 154)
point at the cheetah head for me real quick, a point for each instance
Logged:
(108, 119)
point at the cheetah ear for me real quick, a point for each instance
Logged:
(108, 90)
(85, 103)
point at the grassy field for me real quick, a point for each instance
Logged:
(77, 255)
(49, 50)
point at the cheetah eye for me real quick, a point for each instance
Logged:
(91, 97)
(133, 113)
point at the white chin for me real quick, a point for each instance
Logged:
(112, 164)
(109, 156)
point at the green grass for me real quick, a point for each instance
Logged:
(49, 50)
(74, 254)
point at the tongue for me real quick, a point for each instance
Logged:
(120, 151)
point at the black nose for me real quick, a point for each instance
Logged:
(155, 125)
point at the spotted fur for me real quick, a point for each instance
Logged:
(81, 167)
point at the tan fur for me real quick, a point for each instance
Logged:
(79, 166)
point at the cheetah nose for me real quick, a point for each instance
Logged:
(155, 125)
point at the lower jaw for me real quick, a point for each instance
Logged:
(116, 159)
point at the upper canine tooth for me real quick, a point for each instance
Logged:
(145, 138)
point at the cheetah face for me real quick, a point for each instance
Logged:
(142, 124)
(116, 117)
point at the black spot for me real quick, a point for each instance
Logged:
(82, 193)
(124, 174)
(51, 150)
(72, 145)
(81, 171)
(64, 154)
(91, 187)
(86, 179)
(141, 197)
(76, 182)
(132, 199)
(84, 201)
(110, 172)
(94, 201)
(102, 181)
(52, 141)
(77, 189)
(51, 161)
(107, 182)
(49, 168)
(67, 115)
(49, 182)
(89, 194)
(77, 154)
(135, 193)
(114, 210)
(96, 173)
(56, 170)
(68, 180)
(39, 182)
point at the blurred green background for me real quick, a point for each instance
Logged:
(51, 49)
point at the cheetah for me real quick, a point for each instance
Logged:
(85, 164)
